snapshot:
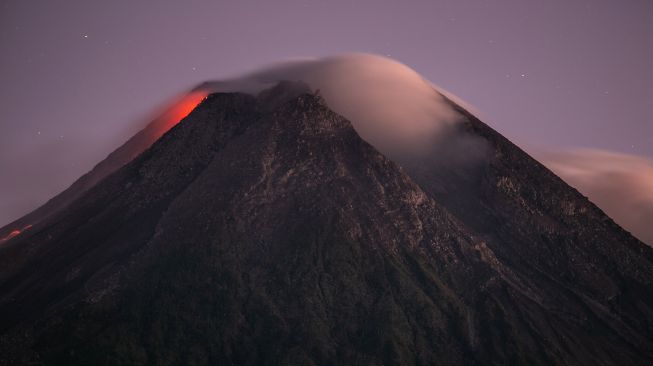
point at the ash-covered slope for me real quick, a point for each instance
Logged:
(266, 231)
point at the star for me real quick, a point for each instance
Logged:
(85, 35)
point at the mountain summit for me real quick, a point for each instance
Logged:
(263, 229)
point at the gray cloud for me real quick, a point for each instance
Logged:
(620, 184)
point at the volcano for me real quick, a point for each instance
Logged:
(277, 226)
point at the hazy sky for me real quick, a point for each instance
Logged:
(77, 77)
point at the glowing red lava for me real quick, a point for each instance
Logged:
(171, 115)
(180, 109)
(14, 233)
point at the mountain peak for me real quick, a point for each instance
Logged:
(267, 229)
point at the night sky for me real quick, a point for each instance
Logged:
(77, 78)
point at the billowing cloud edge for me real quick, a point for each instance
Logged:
(620, 184)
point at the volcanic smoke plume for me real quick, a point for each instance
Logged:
(390, 105)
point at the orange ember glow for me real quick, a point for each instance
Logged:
(175, 113)
(14, 233)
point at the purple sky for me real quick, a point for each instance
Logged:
(77, 77)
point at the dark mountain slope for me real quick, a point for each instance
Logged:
(548, 232)
(259, 231)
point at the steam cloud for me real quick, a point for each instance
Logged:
(620, 184)
(390, 105)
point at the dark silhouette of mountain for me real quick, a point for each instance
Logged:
(264, 230)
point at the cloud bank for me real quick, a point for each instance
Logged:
(620, 184)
